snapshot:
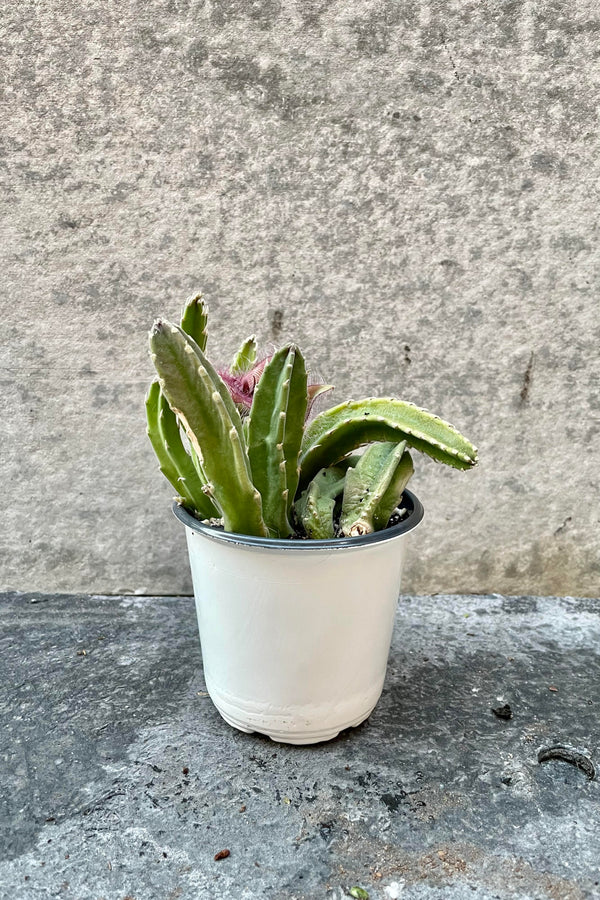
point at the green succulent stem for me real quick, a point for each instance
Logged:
(373, 488)
(339, 430)
(315, 506)
(202, 403)
(245, 358)
(274, 435)
(392, 496)
(183, 470)
(194, 320)
(175, 462)
(166, 464)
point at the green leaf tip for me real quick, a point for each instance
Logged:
(245, 357)
(194, 319)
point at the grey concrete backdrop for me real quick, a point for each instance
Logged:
(407, 189)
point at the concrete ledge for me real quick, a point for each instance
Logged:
(122, 781)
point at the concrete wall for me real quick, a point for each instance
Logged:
(407, 189)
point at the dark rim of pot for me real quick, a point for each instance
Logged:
(410, 521)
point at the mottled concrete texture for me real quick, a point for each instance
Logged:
(408, 189)
(121, 780)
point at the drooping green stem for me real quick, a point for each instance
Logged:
(338, 431)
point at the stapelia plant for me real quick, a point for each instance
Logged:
(253, 462)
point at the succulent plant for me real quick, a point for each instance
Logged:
(253, 462)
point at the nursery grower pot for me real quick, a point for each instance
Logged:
(295, 634)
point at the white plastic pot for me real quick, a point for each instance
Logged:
(295, 635)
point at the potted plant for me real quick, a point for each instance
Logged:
(296, 541)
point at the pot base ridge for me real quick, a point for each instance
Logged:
(295, 726)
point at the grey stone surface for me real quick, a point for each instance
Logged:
(121, 780)
(408, 189)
